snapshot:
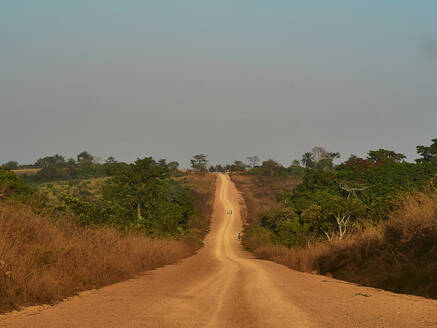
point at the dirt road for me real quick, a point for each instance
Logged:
(223, 286)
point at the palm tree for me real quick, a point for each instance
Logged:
(307, 159)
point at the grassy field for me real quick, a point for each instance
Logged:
(26, 171)
(84, 189)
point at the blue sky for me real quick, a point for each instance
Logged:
(227, 78)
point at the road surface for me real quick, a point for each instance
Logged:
(224, 286)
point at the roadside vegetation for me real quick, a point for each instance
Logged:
(58, 237)
(367, 220)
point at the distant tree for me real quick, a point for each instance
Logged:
(97, 159)
(84, 157)
(219, 168)
(270, 166)
(319, 158)
(334, 155)
(352, 158)
(308, 160)
(110, 160)
(11, 165)
(56, 160)
(319, 153)
(295, 162)
(253, 160)
(71, 162)
(199, 163)
(428, 153)
(162, 163)
(173, 166)
(327, 161)
(385, 155)
(238, 166)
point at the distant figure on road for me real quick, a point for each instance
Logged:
(239, 235)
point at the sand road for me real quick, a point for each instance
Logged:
(224, 286)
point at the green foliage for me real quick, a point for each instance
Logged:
(141, 196)
(55, 168)
(308, 160)
(56, 160)
(428, 153)
(381, 155)
(237, 166)
(85, 190)
(11, 186)
(84, 157)
(332, 201)
(11, 165)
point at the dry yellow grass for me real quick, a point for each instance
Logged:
(44, 262)
(26, 171)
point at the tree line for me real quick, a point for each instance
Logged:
(334, 200)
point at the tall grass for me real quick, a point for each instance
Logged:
(43, 262)
(399, 255)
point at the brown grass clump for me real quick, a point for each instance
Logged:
(301, 259)
(43, 262)
(399, 255)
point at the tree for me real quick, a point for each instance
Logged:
(428, 153)
(110, 160)
(322, 159)
(238, 166)
(199, 163)
(217, 168)
(173, 168)
(327, 162)
(382, 155)
(295, 162)
(45, 162)
(351, 158)
(11, 165)
(253, 160)
(307, 160)
(84, 157)
(270, 166)
(71, 162)
(319, 153)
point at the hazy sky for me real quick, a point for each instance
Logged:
(169, 79)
